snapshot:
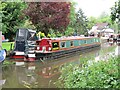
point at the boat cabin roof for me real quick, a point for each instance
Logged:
(67, 38)
(71, 38)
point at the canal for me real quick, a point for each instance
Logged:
(43, 74)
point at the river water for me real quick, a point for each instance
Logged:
(43, 74)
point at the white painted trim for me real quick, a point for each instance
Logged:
(31, 51)
(19, 53)
(31, 55)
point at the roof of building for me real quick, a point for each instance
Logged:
(101, 26)
(109, 30)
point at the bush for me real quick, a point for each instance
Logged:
(101, 74)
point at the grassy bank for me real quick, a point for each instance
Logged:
(101, 74)
(7, 45)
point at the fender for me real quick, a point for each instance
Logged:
(2, 55)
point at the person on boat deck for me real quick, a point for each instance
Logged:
(40, 35)
(48, 35)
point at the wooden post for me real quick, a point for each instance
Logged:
(0, 38)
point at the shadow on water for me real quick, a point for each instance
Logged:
(44, 74)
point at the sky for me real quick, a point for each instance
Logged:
(95, 7)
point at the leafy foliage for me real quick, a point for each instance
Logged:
(28, 24)
(115, 13)
(92, 22)
(103, 18)
(70, 29)
(12, 17)
(49, 15)
(81, 23)
(102, 74)
(78, 22)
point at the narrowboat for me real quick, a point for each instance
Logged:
(28, 47)
(111, 39)
(2, 54)
(114, 39)
(25, 41)
(118, 39)
(47, 48)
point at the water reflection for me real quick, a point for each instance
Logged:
(97, 57)
(117, 51)
(28, 77)
(44, 74)
(36, 74)
(19, 63)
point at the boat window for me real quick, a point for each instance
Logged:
(80, 42)
(94, 40)
(97, 40)
(62, 44)
(71, 43)
(55, 45)
(85, 41)
(91, 41)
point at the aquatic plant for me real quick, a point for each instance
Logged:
(7, 63)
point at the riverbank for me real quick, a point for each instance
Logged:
(101, 74)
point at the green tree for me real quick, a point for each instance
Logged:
(12, 17)
(115, 14)
(28, 24)
(70, 28)
(92, 22)
(104, 18)
(1, 15)
(81, 25)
